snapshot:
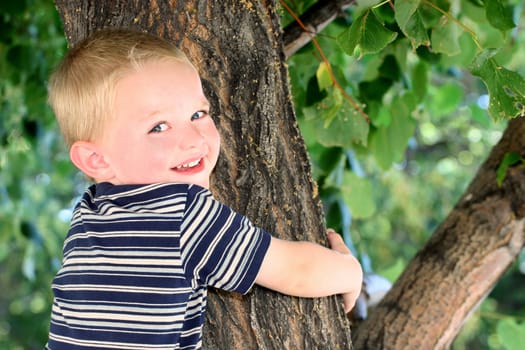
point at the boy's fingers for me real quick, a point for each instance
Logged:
(336, 242)
(349, 302)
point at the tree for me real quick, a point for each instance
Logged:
(263, 171)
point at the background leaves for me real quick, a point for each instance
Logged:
(437, 80)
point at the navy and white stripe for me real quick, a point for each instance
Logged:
(137, 263)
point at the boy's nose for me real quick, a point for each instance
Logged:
(191, 137)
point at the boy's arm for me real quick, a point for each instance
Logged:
(307, 269)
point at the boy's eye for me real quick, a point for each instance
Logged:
(160, 127)
(198, 115)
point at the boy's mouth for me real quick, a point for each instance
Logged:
(189, 166)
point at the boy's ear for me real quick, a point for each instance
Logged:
(89, 159)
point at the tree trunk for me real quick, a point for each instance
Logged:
(460, 263)
(263, 170)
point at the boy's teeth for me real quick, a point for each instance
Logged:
(189, 165)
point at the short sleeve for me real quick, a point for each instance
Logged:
(220, 248)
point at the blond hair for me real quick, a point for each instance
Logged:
(81, 89)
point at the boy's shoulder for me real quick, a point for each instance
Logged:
(122, 203)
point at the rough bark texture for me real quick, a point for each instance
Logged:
(263, 169)
(460, 263)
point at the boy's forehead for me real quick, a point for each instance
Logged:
(178, 70)
(153, 86)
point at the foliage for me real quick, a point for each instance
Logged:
(36, 180)
(435, 82)
(396, 122)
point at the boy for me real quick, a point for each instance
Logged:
(147, 239)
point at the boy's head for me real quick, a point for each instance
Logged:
(132, 110)
(82, 88)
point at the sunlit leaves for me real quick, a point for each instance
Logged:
(445, 37)
(506, 88)
(336, 122)
(366, 35)
(324, 80)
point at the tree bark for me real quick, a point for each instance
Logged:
(461, 262)
(263, 170)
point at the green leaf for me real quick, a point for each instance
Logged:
(379, 115)
(511, 334)
(390, 68)
(313, 93)
(410, 21)
(445, 37)
(330, 158)
(509, 160)
(365, 4)
(357, 194)
(466, 55)
(498, 15)
(389, 143)
(506, 88)
(366, 35)
(324, 80)
(375, 89)
(430, 15)
(336, 122)
(445, 98)
(420, 80)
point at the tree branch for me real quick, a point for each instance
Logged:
(315, 19)
(461, 262)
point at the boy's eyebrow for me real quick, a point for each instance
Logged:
(202, 104)
(205, 103)
(150, 115)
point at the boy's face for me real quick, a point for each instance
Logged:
(161, 130)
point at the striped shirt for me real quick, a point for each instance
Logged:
(137, 263)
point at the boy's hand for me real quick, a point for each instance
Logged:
(307, 269)
(337, 244)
